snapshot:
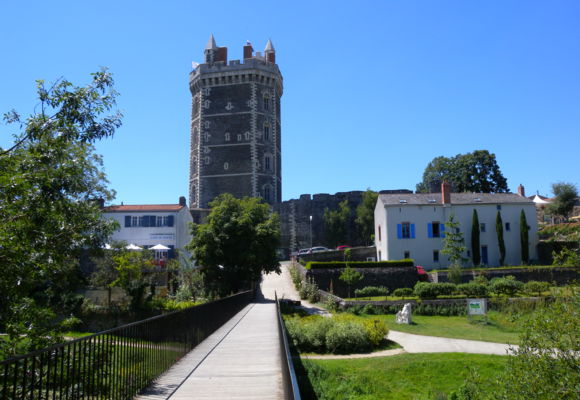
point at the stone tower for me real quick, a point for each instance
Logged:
(235, 126)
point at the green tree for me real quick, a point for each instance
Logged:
(470, 172)
(453, 244)
(365, 216)
(50, 178)
(105, 273)
(524, 238)
(566, 195)
(475, 244)
(500, 240)
(350, 276)
(134, 274)
(336, 224)
(237, 244)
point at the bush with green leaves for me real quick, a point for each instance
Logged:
(566, 258)
(370, 291)
(426, 290)
(347, 337)
(309, 291)
(536, 287)
(403, 292)
(473, 289)
(508, 286)
(376, 330)
(296, 277)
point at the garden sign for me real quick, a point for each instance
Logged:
(476, 306)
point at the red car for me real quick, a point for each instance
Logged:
(344, 247)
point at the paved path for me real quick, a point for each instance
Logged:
(241, 360)
(432, 344)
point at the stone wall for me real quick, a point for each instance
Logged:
(391, 278)
(559, 275)
(295, 219)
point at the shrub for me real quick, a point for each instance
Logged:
(309, 291)
(296, 277)
(566, 258)
(480, 279)
(508, 286)
(473, 289)
(370, 291)
(347, 337)
(427, 290)
(403, 292)
(376, 330)
(359, 264)
(535, 287)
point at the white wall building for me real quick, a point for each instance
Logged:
(412, 225)
(148, 225)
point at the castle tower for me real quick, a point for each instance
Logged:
(235, 126)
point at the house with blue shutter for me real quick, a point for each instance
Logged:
(148, 225)
(412, 225)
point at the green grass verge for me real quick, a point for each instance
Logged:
(400, 377)
(500, 328)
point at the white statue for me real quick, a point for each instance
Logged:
(404, 316)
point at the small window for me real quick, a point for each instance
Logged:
(436, 231)
(267, 163)
(226, 166)
(407, 254)
(267, 193)
(482, 227)
(498, 206)
(227, 136)
(207, 160)
(508, 227)
(406, 231)
(135, 221)
(458, 230)
(379, 234)
(266, 103)
(266, 132)
(239, 137)
(435, 255)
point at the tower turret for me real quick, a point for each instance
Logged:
(235, 126)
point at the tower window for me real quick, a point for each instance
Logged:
(247, 135)
(435, 255)
(227, 136)
(266, 132)
(239, 137)
(267, 193)
(266, 103)
(207, 160)
(267, 163)
(226, 166)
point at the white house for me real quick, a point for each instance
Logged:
(148, 225)
(412, 225)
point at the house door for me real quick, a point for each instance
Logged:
(484, 260)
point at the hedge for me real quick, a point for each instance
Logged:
(359, 264)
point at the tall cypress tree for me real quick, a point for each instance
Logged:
(475, 249)
(500, 241)
(524, 239)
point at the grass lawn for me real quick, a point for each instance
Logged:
(400, 377)
(500, 328)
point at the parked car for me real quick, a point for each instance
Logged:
(301, 252)
(318, 249)
(344, 247)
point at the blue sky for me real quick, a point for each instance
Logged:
(373, 90)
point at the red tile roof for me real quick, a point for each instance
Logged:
(144, 207)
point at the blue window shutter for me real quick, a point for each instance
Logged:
(442, 230)
(127, 221)
(170, 220)
(412, 231)
(146, 221)
(152, 220)
(430, 229)
(399, 231)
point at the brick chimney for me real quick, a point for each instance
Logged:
(222, 55)
(521, 190)
(248, 50)
(182, 201)
(445, 192)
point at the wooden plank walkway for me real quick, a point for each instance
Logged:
(241, 360)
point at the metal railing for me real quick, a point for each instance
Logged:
(117, 363)
(289, 380)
